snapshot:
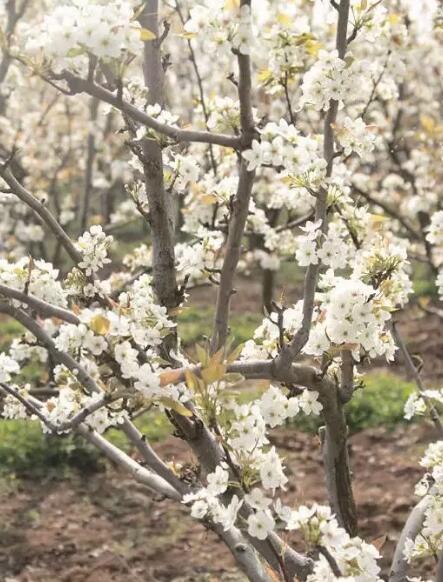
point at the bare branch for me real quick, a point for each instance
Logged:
(389, 211)
(153, 481)
(90, 157)
(151, 458)
(199, 83)
(140, 474)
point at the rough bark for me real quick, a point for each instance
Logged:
(161, 211)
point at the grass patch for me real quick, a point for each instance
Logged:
(380, 403)
(26, 452)
(195, 324)
(10, 329)
(424, 281)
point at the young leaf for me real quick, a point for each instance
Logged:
(147, 35)
(170, 377)
(100, 325)
(213, 373)
(191, 380)
(176, 406)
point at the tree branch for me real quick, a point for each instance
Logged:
(79, 85)
(412, 528)
(41, 211)
(140, 474)
(240, 206)
(38, 305)
(294, 347)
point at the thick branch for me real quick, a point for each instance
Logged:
(79, 85)
(347, 376)
(243, 554)
(297, 374)
(336, 461)
(161, 212)
(439, 571)
(412, 528)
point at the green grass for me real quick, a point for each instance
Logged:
(380, 403)
(9, 329)
(26, 451)
(423, 281)
(195, 324)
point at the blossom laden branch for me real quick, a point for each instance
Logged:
(79, 85)
(38, 305)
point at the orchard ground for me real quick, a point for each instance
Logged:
(68, 516)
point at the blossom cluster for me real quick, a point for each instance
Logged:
(94, 245)
(282, 145)
(331, 78)
(37, 277)
(355, 136)
(222, 27)
(105, 29)
(349, 313)
(245, 432)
